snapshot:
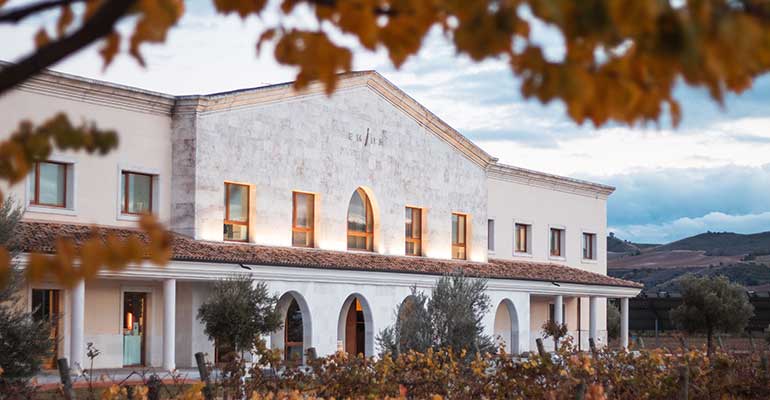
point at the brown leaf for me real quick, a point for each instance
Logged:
(110, 48)
(41, 38)
(241, 7)
(65, 20)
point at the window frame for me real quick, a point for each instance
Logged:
(368, 233)
(35, 201)
(528, 227)
(294, 227)
(414, 240)
(463, 245)
(593, 244)
(562, 244)
(227, 211)
(124, 203)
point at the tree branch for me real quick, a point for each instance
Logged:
(16, 14)
(96, 27)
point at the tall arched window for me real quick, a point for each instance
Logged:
(360, 222)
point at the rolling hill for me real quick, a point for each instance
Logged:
(744, 258)
(723, 243)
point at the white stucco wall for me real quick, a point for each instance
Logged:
(543, 208)
(319, 144)
(144, 146)
(512, 202)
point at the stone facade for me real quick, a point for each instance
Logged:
(329, 146)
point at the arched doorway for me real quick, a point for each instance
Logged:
(360, 222)
(293, 340)
(507, 326)
(296, 334)
(355, 329)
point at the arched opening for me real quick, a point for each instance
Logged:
(296, 334)
(507, 327)
(360, 222)
(355, 328)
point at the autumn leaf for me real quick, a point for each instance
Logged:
(156, 17)
(110, 48)
(65, 20)
(41, 38)
(316, 56)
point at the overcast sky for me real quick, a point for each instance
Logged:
(710, 173)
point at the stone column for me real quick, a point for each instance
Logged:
(624, 322)
(169, 324)
(558, 310)
(593, 310)
(77, 323)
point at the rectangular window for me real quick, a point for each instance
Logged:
(136, 193)
(459, 236)
(491, 235)
(589, 246)
(236, 212)
(557, 242)
(521, 238)
(413, 231)
(302, 219)
(49, 187)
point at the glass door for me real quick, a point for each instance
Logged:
(46, 307)
(134, 326)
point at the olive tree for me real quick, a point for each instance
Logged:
(450, 318)
(711, 305)
(238, 312)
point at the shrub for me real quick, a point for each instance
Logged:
(238, 311)
(450, 319)
(24, 341)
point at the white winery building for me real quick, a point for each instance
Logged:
(339, 203)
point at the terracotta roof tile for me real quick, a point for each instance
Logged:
(41, 237)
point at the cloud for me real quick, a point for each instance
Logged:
(662, 195)
(684, 227)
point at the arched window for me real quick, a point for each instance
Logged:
(360, 222)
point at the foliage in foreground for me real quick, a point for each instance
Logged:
(655, 374)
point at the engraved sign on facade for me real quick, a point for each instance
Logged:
(368, 139)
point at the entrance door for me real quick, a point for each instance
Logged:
(134, 327)
(46, 305)
(355, 329)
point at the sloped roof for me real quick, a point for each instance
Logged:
(41, 237)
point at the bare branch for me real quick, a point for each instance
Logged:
(95, 28)
(16, 14)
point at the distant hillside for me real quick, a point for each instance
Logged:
(744, 258)
(620, 246)
(752, 275)
(723, 244)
